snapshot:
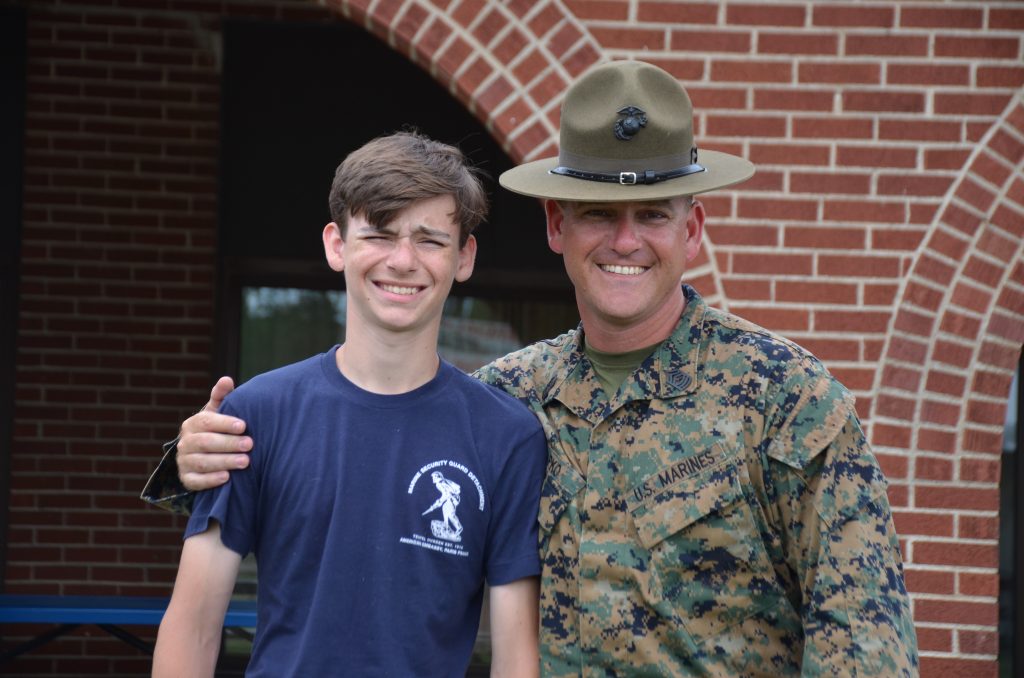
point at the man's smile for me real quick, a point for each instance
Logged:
(623, 270)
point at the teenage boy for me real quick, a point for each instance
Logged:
(385, 486)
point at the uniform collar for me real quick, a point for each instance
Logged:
(669, 372)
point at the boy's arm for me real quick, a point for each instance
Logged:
(514, 628)
(189, 638)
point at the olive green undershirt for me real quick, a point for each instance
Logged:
(613, 368)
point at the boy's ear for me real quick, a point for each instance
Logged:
(467, 259)
(334, 247)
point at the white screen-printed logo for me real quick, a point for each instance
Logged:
(447, 493)
(450, 528)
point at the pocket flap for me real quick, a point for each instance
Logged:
(561, 484)
(686, 502)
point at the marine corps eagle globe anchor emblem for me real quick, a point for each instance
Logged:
(627, 127)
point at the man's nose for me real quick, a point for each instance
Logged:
(624, 237)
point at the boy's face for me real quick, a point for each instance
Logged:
(398, 275)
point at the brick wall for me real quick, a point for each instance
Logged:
(884, 230)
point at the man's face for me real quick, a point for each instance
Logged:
(399, 275)
(626, 259)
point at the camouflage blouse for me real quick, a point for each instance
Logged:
(720, 515)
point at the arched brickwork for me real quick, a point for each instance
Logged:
(942, 384)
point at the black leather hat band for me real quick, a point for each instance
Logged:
(629, 178)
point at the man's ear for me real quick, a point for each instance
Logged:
(334, 247)
(467, 259)
(694, 229)
(555, 218)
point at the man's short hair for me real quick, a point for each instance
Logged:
(386, 175)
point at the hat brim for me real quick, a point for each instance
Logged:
(535, 179)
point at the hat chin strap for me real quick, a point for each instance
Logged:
(629, 178)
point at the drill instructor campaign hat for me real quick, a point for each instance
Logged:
(626, 134)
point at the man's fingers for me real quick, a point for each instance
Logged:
(209, 421)
(219, 392)
(195, 482)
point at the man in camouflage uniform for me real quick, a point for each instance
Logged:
(711, 506)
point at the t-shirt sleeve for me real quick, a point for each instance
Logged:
(232, 505)
(512, 538)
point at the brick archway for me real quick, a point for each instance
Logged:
(942, 383)
(508, 63)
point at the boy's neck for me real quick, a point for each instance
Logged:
(387, 364)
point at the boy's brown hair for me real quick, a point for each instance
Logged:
(386, 175)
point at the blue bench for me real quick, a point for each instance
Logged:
(107, 612)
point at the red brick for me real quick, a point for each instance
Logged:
(963, 18)
(706, 98)
(818, 292)
(750, 71)
(901, 378)
(983, 48)
(766, 235)
(716, 41)
(629, 38)
(786, 99)
(833, 127)
(928, 74)
(775, 318)
(788, 154)
(862, 211)
(804, 42)
(932, 639)
(984, 441)
(934, 440)
(883, 100)
(919, 130)
(978, 527)
(772, 263)
(839, 73)
(979, 470)
(765, 15)
(677, 13)
(831, 183)
(995, 384)
(952, 552)
(886, 45)
(1007, 146)
(892, 436)
(871, 266)
(781, 209)
(932, 468)
(1000, 76)
(963, 103)
(850, 16)
(747, 290)
(978, 642)
(851, 320)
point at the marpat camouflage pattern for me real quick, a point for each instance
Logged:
(721, 515)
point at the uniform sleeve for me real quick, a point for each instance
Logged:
(839, 539)
(164, 489)
(513, 551)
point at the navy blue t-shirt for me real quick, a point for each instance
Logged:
(376, 519)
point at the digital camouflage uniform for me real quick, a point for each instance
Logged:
(721, 515)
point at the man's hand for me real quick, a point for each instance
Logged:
(210, 443)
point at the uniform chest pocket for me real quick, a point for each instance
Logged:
(561, 485)
(708, 561)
